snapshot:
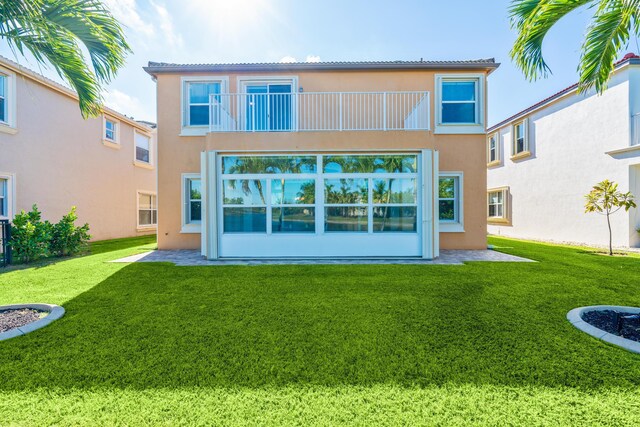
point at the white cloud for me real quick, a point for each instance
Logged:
(167, 29)
(126, 11)
(126, 104)
(153, 24)
(310, 58)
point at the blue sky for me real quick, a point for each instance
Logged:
(204, 31)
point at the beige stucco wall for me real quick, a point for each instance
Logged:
(181, 154)
(59, 160)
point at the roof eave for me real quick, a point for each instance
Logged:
(154, 70)
(545, 102)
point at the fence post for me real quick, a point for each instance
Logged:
(8, 247)
(5, 237)
(340, 110)
(384, 111)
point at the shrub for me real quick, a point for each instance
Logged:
(30, 236)
(66, 238)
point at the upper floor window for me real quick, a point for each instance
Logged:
(493, 149)
(520, 140)
(459, 101)
(197, 98)
(4, 116)
(110, 130)
(143, 148)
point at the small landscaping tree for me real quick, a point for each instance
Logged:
(605, 199)
(30, 236)
(66, 238)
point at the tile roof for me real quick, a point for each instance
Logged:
(629, 58)
(164, 67)
(64, 89)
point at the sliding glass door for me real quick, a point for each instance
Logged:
(268, 107)
(319, 205)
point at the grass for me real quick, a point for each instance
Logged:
(479, 344)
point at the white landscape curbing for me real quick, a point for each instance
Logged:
(575, 317)
(55, 312)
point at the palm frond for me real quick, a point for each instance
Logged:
(533, 19)
(55, 31)
(607, 34)
(95, 27)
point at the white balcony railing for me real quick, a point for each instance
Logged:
(319, 111)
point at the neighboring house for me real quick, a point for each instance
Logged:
(344, 159)
(52, 157)
(545, 159)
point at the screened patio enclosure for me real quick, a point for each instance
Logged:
(319, 205)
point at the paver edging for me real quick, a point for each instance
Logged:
(575, 318)
(55, 312)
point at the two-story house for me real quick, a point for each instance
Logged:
(543, 160)
(52, 157)
(333, 159)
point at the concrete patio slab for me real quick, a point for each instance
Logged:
(447, 257)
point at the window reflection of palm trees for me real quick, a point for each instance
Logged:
(354, 191)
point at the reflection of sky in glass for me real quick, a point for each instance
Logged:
(458, 91)
(244, 192)
(199, 92)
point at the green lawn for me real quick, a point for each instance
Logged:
(479, 344)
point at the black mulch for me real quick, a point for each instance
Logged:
(616, 323)
(11, 319)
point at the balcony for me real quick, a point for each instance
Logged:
(319, 111)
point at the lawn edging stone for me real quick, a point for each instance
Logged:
(55, 313)
(575, 318)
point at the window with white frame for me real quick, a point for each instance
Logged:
(4, 198)
(493, 149)
(110, 130)
(147, 210)
(497, 204)
(7, 195)
(459, 101)
(192, 200)
(520, 138)
(197, 96)
(449, 198)
(143, 148)
(268, 103)
(4, 110)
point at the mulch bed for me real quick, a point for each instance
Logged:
(11, 319)
(610, 321)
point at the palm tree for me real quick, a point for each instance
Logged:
(55, 32)
(613, 23)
